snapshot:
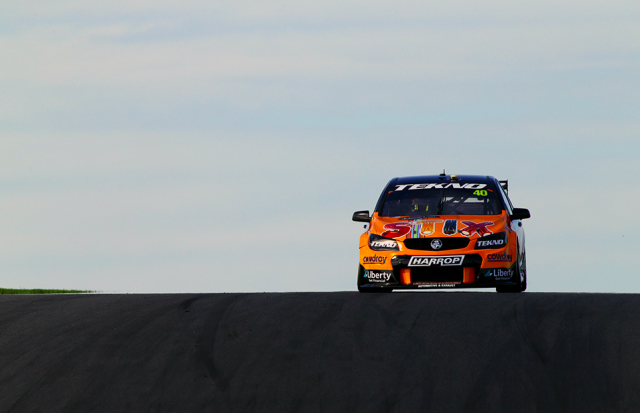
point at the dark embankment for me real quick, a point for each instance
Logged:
(320, 352)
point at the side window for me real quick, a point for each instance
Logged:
(505, 198)
(383, 195)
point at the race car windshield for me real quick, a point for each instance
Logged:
(437, 201)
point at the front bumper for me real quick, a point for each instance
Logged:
(399, 270)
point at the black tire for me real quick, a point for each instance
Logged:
(369, 289)
(521, 268)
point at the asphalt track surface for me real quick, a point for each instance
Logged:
(320, 352)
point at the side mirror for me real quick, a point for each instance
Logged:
(520, 213)
(361, 216)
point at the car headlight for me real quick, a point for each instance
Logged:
(378, 243)
(493, 241)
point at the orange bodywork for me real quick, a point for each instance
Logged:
(419, 238)
(405, 276)
(469, 275)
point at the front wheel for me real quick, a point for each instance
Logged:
(521, 270)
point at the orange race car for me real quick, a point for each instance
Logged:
(443, 231)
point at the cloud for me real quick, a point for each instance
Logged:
(122, 30)
(354, 10)
(74, 76)
(76, 52)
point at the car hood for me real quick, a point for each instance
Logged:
(469, 226)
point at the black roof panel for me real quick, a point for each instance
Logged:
(437, 178)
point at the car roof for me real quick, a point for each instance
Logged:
(442, 178)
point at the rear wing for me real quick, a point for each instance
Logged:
(505, 185)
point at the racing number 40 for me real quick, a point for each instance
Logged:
(480, 192)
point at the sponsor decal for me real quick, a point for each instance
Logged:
(499, 274)
(423, 228)
(416, 229)
(382, 243)
(476, 227)
(376, 259)
(450, 227)
(495, 241)
(490, 243)
(413, 187)
(444, 261)
(396, 230)
(499, 257)
(437, 285)
(378, 276)
(378, 243)
(436, 244)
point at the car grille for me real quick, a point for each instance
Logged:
(424, 244)
(436, 274)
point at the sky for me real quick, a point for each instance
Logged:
(197, 146)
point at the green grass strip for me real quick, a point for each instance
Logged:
(41, 291)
